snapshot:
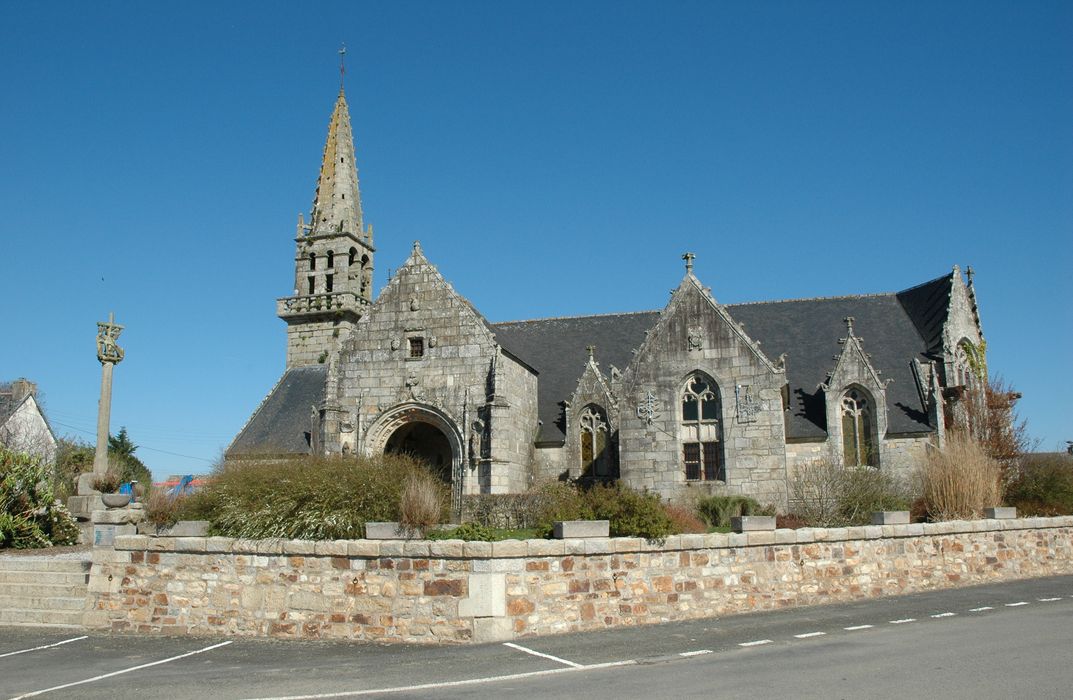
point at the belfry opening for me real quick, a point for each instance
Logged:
(425, 443)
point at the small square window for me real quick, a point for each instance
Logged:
(417, 347)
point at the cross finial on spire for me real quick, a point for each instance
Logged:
(342, 66)
(592, 352)
(689, 257)
(849, 324)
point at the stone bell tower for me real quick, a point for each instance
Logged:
(333, 262)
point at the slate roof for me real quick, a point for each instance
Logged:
(807, 331)
(928, 305)
(280, 423)
(556, 349)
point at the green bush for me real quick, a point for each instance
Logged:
(471, 532)
(29, 517)
(716, 511)
(313, 498)
(1043, 485)
(630, 513)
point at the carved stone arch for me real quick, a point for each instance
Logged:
(418, 419)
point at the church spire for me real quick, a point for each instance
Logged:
(337, 204)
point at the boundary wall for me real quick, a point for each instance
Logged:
(445, 591)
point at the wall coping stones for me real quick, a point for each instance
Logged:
(386, 531)
(752, 523)
(890, 517)
(1000, 513)
(573, 529)
(506, 549)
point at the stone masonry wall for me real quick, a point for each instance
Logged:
(693, 335)
(454, 591)
(900, 456)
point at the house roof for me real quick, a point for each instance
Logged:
(806, 330)
(281, 423)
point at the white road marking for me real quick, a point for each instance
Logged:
(450, 684)
(810, 634)
(121, 672)
(698, 652)
(1047, 600)
(903, 621)
(945, 615)
(527, 650)
(756, 643)
(1017, 604)
(986, 607)
(857, 627)
(44, 646)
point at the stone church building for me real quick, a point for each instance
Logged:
(695, 396)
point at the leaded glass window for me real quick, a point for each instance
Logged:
(702, 431)
(858, 425)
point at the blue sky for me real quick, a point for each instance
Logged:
(154, 158)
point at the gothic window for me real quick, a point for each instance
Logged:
(328, 284)
(595, 443)
(702, 431)
(312, 261)
(858, 424)
(352, 257)
(331, 259)
(311, 284)
(417, 347)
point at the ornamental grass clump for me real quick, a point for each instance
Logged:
(960, 480)
(314, 498)
(29, 516)
(423, 502)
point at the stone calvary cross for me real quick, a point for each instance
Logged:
(110, 354)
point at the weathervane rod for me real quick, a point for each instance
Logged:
(342, 66)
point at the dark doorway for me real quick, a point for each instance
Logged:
(424, 443)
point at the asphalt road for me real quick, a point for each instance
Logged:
(998, 641)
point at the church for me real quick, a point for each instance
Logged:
(695, 397)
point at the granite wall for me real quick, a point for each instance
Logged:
(454, 591)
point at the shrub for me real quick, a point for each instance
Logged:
(865, 490)
(814, 492)
(824, 494)
(960, 480)
(1043, 486)
(304, 498)
(717, 511)
(510, 510)
(469, 531)
(684, 519)
(423, 501)
(630, 513)
(29, 517)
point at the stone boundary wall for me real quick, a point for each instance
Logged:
(454, 591)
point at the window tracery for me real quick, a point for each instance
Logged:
(702, 430)
(858, 425)
(596, 454)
